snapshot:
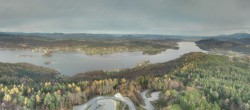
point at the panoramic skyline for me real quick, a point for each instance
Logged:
(177, 17)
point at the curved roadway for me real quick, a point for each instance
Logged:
(126, 100)
(147, 100)
(123, 99)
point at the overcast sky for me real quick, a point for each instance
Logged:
(178, 17)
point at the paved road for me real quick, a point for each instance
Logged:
(117, 97)
(154, 97)
(148, 105)
(105, 104)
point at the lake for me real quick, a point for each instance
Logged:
(72, 63)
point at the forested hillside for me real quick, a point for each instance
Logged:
(193, 81)
(241, 45)
(11, 73)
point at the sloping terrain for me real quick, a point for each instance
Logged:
(193, 81)
(238, 45)
(22, 72)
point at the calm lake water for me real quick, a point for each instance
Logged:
(72, 63)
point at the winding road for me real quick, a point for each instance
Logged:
(119, 97)
(148, 100)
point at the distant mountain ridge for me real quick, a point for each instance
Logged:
(124, 36)
(232, 36)
(239, 42)
(104, 36)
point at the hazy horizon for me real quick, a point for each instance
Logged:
(124, 33)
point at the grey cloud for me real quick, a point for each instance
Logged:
(188, 17)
